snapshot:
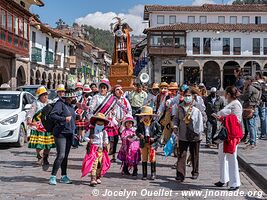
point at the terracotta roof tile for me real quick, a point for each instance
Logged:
(210, 26)
(210, 8)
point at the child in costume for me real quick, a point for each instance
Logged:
(129, 152)
(96, 161)
(149, 132)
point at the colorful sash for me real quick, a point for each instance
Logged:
(107, 105)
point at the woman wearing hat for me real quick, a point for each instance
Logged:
(96, 161)
(152, 95)
(64, 116)
(129, 152)
(149, 132)
(40, 139)
(82, 109)
(163, 96)
(79, 90)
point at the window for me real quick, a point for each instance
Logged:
(179, 41)
(47, 44)
(258, 20)
(155, 40)
(33, 38)
(233, 19)
(226, 46)
(160, 19)
(203, 19)
(168, 74)
(3, 19)
(16, 25)
(237, 46)
(265, 46)
(56, 47)
(245, 19)
(64, 51)
(172, 19)
(256, 46)
(206, 45)
(196, 45)
(25, 30)
(21, 27)
(191, 19)
(167, 40)
(9, 22)
(221, 19)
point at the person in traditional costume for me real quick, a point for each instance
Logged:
(152, 96)
(79, 90)
(129, 152)
(188, 127)
(162, 97)
(40, 139)
(82, 110)
(96, 160)
(64, 116)
(116, 117)
(149, 132)
(94, 89)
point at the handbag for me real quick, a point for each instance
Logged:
(220, 135)
(248, 112)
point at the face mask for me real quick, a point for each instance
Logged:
(188, 99)
(99, 128)
(79, 93)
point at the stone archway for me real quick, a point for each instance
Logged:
(21, 76)
(228, 73)
(49, 82)
(59, 79)
(37, 77)
(211, 75)
(250, 68)
(32, 80)
(43, 79)
(4, 75)
(54, 81)
(191, 71)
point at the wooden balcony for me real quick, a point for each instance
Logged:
(36, 55)
(66, 62)
(161, 50)
(49, 58)
(58, 61)
(73, 61)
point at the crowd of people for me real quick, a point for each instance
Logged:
(145, 119)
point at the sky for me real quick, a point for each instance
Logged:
(99, 13)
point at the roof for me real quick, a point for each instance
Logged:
(210, 26)
(206, 8)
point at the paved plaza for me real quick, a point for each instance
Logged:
(21, 179)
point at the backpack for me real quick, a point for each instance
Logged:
(264, 92)
(47, 122)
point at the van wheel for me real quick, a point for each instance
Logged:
(22, 137)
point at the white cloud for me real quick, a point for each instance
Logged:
(134, 17)
(201, 2)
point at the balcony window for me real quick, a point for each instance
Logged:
(49, 58)
(233, 19)
(226, 46)
(258, 20)
(26, 30)
(191, 19)
(172, 19)
(256, 46)
(21, 27)
(265, 46)
(36, 54)
(167, 41)
(203, 19)
(245, 19)
(237, 46)
(16, 25)
(9, 22)
(155, 40)
(179, 41)
(206, 46)
(221, 19)
(3, 19)
(160, 19)
(196, 45)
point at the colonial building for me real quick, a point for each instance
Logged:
(205, 43)
(14, 41)
(49, 55)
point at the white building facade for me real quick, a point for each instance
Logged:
(206, 43)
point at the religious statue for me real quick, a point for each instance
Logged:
(121, 70)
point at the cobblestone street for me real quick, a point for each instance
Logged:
(20, 179)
